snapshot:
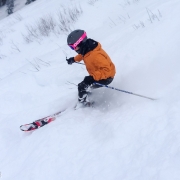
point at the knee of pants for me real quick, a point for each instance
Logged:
(82, 86)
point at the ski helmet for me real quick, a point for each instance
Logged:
(76, 37)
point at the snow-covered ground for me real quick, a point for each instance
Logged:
(124, 137)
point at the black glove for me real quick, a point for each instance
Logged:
(89, 80)
(70, 60)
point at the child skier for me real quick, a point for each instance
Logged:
(97, 62)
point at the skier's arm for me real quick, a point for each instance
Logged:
(78, 58)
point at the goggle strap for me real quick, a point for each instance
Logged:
(79, 40)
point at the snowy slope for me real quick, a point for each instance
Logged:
(125, 137)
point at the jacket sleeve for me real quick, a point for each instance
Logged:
(78, 58)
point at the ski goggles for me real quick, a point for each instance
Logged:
(73, 46)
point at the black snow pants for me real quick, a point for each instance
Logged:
(83, 86)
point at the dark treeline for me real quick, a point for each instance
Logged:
(2, 2)
(10, 4)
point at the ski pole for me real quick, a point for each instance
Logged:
(123, 91)
(80, 63)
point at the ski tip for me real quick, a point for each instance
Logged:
(26, 128)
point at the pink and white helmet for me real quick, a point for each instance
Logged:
(76, 37)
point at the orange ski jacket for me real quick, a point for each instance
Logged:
(98, 63)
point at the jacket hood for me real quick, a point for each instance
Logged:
(87, 46)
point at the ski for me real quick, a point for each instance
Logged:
(40, 122)
(46, 120)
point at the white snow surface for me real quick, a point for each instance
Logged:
(124, 137)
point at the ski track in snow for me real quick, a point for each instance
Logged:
(124, 137)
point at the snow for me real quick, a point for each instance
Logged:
(124, 137)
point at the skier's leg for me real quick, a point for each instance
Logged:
(103, 81)
(84, 85)
(82, 93)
